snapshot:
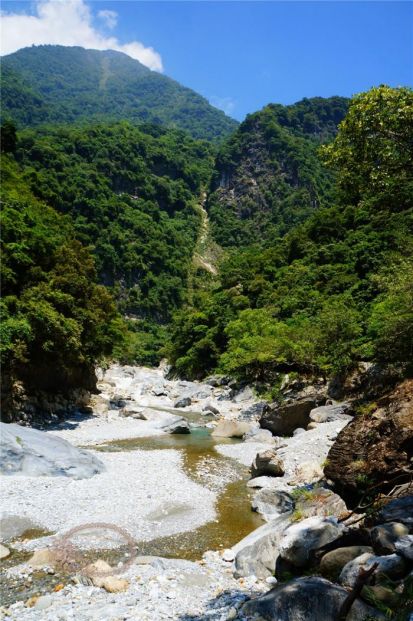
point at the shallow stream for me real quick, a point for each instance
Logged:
(206, 466)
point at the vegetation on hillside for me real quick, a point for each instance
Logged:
(56, 321)
(313, 278)
(131, 194)
(56, 84)
(268, 176)
(335, 289)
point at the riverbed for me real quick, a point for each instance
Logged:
(176, 495)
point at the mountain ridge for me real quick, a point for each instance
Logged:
(58, 84)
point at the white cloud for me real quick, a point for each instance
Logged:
(68, 22)
(227, 104)
(109, 18)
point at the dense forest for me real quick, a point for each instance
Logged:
(56, 321)
(310, 211)
(130, 194)
(268, 176)
(335, 289)
(56, 84)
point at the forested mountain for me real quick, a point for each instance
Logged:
(56, 84)
(335, 289)
(131, 194)
(315, 271)
(56, 321)
(269, 176)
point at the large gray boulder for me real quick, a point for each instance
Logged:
(29, 452)
(179, 427)
(390, 566)
(257, 553)
(267, 463)
(217, 380)
(283, 420)
(272, 502)
(264, 436)
(254, 410)
(328, 413)
(182, 402)
(301, 540)
(306, 599)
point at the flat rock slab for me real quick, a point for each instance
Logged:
(34, 453)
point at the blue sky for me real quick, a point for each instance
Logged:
(243, 55)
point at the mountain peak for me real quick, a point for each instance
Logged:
(54, 83)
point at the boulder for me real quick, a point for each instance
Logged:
(42, 602)
(306, 599)
(272, 502)
(133, 410)
(384, 536)
(375, 447)
(255, 410)
(210, 409)
(404, 547)
(267, 463)
(301, 540)
(159, 390)
(283, 420)
(231, 429)
(217, 380)
(318, 501)
(179, 427)
(307, 472)
(245, 394)
(328, 413)
(298, 431)
(183, 402)
(257, 553)
(100, 404)
(256, 434)
(30, 452)
(398, 510)
(333, 562)
(4, 552)
(98, 568)
(260, 435)
(390, 566)
(43, 557)
(118, 401)
(111, 584)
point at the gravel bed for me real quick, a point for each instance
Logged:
(163, 589)
(145, 492)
